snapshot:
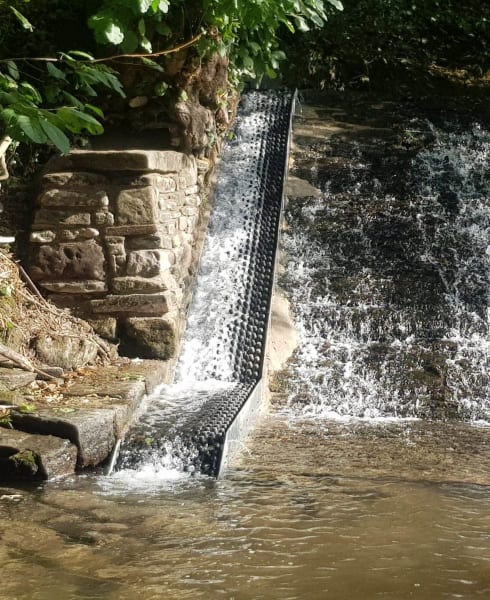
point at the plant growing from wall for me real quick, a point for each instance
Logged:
(45, 98)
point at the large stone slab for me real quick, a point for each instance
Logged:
(46, 217)
(137, 206)
(13, 379)
(154, 337)
(64, 351)
(149, 263)
(59, 198)
(167, 161)
(134, 304)
(77, 180)
(152, 372)
(144, 285)
(92, 431)
(123, 230)
(35, 456)
(131, 390)
(97, 409)
(77, 260)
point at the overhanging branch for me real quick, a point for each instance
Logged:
(52, 59)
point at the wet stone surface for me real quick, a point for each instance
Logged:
(388, 263)
(73, 422)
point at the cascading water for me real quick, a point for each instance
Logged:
(389, 278)
(220, 364)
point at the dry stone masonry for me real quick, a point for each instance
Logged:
(113, 238)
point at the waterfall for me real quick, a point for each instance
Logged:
(220, 365)
(390, 282)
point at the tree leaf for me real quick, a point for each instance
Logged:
(143, 6)
(114, 34)
(301, 23)
(26, 24)
(130, 42)
(95, 109)
(80, 54)
(13, 69)
(30, 92)
(31, 127)
(55, 72)
(145, 43)
(56, 136)
(338, 5)
(152, 64)
(76, 121)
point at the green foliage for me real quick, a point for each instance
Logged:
(58, 104)
(247, 32)
(46, 98)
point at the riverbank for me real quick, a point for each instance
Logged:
(51, 429)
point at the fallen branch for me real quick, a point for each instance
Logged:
(28, 281)
(22, 362)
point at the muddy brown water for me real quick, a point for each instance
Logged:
(313, 508)
(311, 511)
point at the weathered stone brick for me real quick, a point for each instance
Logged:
(49, 218)
(74, 180)
(72, 261)
(163, 183)
(148, 263)
(60, 198)
(72, 235)
(115, 245)
(155, 337)
(149, 242)
(144, 285)
(103, 218)
(189, 211)
(75, 287)
(104, 326)
(117, 264)
(192, 190)
(158, 161)
(170, 202)
(135, 304)
(128, 230)
(42, 237)
(193, 200)
(137, 206)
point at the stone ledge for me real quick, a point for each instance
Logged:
(92, 431)
(87, 416)
(13, 378)
(134, 304)
(155, 161)
(23, 455)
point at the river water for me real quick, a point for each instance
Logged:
(369, 477)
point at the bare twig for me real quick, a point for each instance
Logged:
(30, 284)
(21, 361)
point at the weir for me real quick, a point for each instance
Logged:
(198, 422)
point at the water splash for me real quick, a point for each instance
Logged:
(221, 356)
(391, 290)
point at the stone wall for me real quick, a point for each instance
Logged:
(113, 239)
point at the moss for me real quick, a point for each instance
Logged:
(25, 462)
